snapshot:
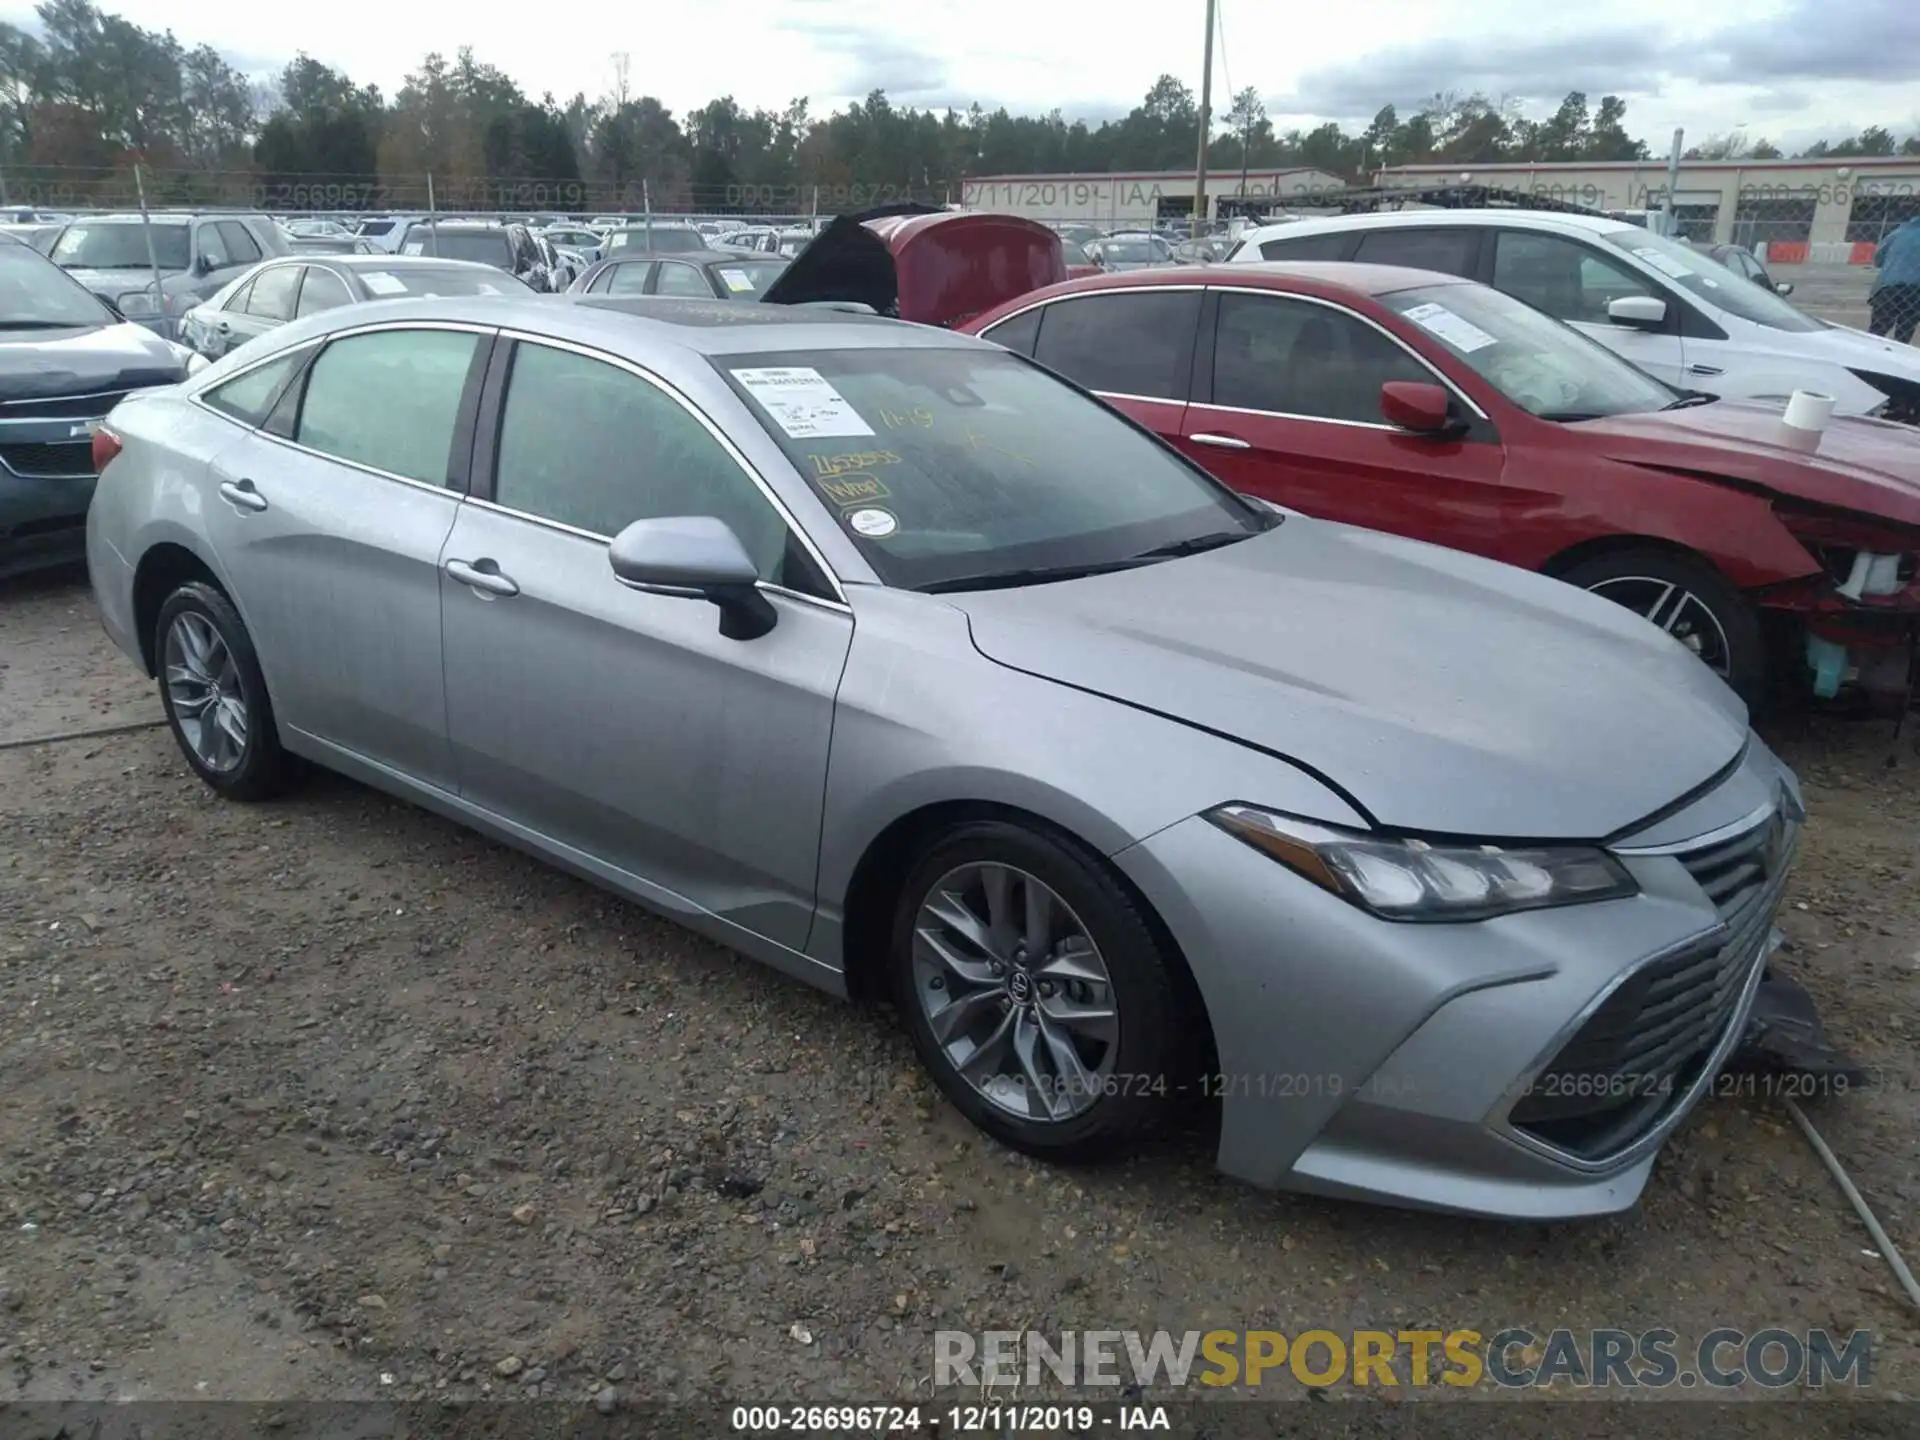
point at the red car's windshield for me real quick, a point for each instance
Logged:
(1539, 364)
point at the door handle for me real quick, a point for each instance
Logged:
(488, 581)
(1705, 370)
(1222, 442)
(242, 494)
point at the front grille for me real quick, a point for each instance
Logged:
(63, 407)
(42, 460)
(1643, 1048)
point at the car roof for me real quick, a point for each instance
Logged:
(1327, 278)
(693, 257)
(1424, 219)
(384, 261)
(660, 225)
(640, 326)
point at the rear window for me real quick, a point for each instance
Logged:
(121, 245)
(1304, 247)
(428, 280)
(488, 247)
(375, 227)
(661, 239)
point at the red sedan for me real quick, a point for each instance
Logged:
(1442, 409)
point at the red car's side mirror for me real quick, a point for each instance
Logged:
(1412, 405)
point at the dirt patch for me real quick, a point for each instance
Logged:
(331, 1098)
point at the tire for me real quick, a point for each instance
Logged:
(1126, 1085)
(199, 633)
(1714, 619)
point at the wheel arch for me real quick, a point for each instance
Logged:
(1599, 546)
(887, 859)
(163, 568)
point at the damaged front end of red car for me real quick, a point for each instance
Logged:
(1855, 622)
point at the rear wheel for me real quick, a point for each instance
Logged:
(1036, 993)
(1690, 601)
(214, 694)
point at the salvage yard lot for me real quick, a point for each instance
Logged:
(329, 1097)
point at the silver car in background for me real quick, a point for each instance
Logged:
(885, 657)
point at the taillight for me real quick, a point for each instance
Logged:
(106, 445)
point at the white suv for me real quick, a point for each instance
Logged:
(1669, 309)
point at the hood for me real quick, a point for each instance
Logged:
(1445, 694)
(1856, 349)
(845, 261)
(1871, 467)
(48, 364)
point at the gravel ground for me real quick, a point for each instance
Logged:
(329, 1098)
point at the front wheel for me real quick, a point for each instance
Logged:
(1690, 601)
(1036, 992)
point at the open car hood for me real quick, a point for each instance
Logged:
(845, 261)
(1869, 467)
(934, 267)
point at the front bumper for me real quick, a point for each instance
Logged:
(42, 521)
(1385, 1062)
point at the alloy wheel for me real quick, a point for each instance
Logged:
(1015, 992)
(203, 689)
(1676, 610)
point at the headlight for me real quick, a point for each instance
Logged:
(138, 302)
(1412, 880)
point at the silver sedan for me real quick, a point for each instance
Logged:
(883, 656)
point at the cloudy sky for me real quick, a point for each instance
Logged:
(1789, 70)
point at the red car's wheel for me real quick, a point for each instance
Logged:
(1690, 601)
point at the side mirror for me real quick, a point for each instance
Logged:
(1783, 287)
(203, 265)
(695, 557)
(1638, 312)
(1414, 405)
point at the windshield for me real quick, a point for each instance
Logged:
(428, 280)
(488, 247)
(35, 295)
(949, 467)
(747, 279)
(664, 240)
(1544, 367)
(120, 245)
(1709, 280)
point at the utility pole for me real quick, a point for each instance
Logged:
(1673, 181)
(1206, 125)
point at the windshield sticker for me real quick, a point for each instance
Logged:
(859, 491)
(381, 283)
(874, 524)
(802, 402)
(738, 281)
(1664, 263)
(1462, 334)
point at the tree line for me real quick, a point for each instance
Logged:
(91, 93)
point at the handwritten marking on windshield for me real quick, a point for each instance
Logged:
(852, 461)
(853, 492)
(919, 417)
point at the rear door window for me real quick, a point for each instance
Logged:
(389, 400)
(1136, 342)
(1019, 333)
(273, 293)
(248, 398)
(1307, 247)
(1452, 251)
